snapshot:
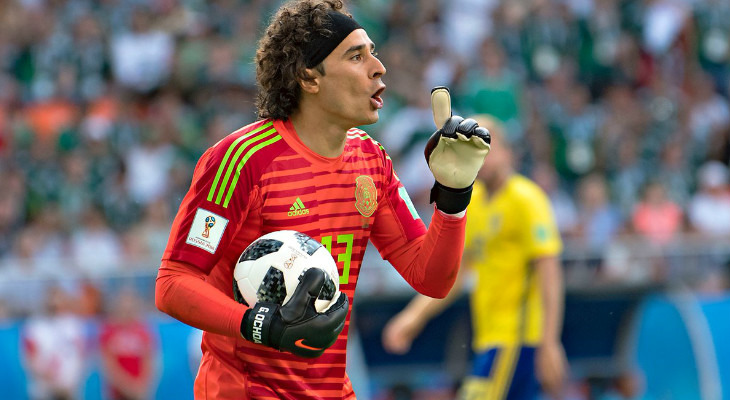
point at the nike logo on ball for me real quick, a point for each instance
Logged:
(300, 343)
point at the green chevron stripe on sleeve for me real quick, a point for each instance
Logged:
(234, 161)
(228, 154)
(242, 163)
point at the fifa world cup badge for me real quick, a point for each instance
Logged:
(366, 195)
(209, 223)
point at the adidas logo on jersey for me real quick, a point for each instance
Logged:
(297, 208)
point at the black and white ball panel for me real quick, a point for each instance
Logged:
(273, 287)
(306, 243)
(270, 269)
(260, 248)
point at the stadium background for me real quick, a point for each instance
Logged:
(618, 109)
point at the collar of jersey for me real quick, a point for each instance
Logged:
(287, 131)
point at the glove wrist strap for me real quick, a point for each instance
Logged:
(257, 323)
(450, 201)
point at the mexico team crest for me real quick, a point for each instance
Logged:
(366, 195)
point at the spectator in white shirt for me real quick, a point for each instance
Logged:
(709, 208)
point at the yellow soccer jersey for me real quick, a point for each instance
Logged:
(503, 234)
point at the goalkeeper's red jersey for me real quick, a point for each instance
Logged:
(262, 178)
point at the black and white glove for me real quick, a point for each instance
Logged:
(454, 153)
(297, 327)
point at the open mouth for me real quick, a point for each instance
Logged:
(376, 100)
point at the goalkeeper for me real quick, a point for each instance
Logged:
(318, 77)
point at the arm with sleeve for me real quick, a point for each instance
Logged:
(427, 259)
(181, 289)
(545, 246)
(181, 292)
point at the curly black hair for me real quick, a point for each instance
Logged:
(280, 59)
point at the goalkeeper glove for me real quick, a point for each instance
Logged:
(297, 327)
(454, 153)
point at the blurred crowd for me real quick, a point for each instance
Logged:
(61, 346)
(618, 109)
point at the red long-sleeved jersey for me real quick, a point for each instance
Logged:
(260, 179)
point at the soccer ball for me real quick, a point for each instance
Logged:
(271, 267)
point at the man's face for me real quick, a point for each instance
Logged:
(499, 159)
(351, 88)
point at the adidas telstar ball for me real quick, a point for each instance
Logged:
(271, 267)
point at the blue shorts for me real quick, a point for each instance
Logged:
(502, 373)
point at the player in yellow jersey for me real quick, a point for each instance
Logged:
(513, 247)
